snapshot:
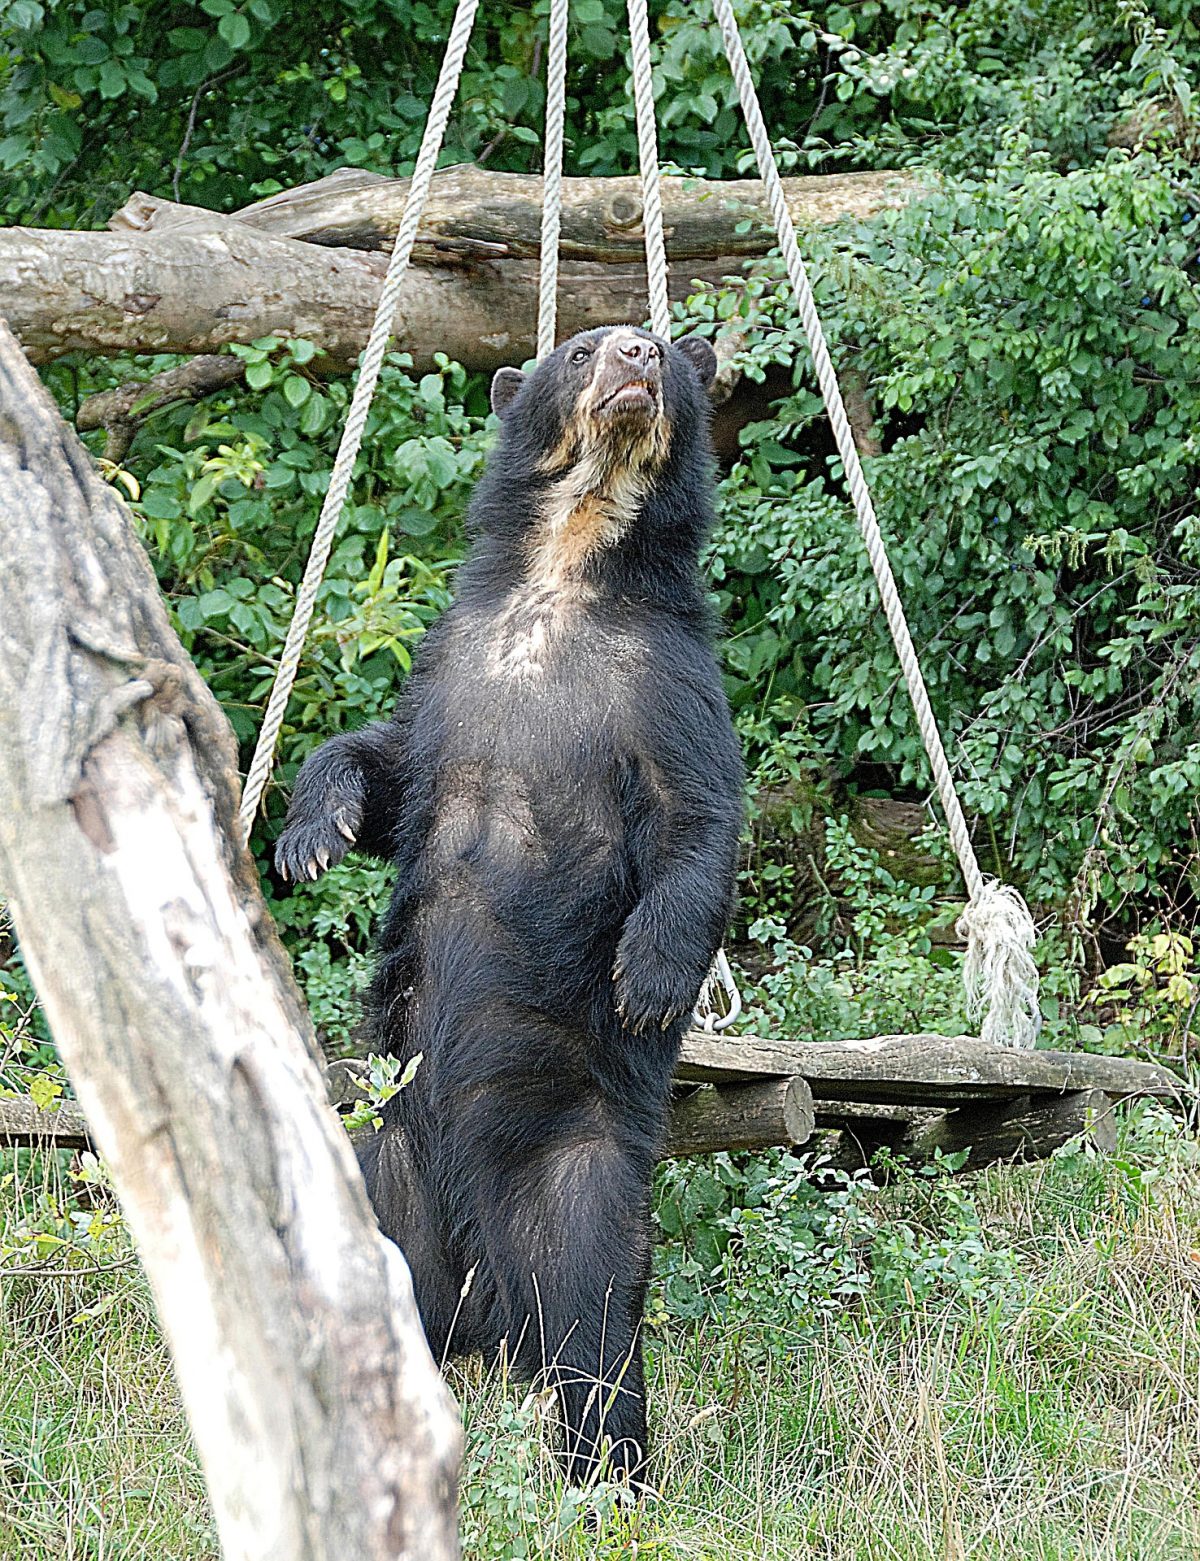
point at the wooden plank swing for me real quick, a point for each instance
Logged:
(911, 1094)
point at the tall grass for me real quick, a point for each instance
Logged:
(1055, 1415)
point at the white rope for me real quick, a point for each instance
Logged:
(999, 971)
(552, 166)
(360, 404)
(652, 217)
(708, 1015)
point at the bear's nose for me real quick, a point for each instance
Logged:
(637, 350)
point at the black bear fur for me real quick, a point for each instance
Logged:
(560, 790)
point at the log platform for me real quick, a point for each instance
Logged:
(915, 1095)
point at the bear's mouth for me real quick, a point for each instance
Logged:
(636, 398)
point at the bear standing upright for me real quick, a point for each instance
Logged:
(561, 792)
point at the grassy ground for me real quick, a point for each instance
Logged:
(1008, 1367)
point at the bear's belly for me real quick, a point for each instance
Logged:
(514, 832)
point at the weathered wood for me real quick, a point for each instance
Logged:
(856, 1113)
(320, 1418)
(194, 292)
(181, 279)
(747, 1116)
(474, 213)
(23, 1125)
(734, 1059)
(1028, 1128)
(935, 1070)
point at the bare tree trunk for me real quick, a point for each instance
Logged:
(180, 279)
(323, 1426)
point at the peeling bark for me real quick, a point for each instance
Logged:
(321, 1421)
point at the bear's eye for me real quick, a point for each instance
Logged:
(581, 355)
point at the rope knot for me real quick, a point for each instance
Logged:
(999, 972)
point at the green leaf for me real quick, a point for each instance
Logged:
(417, 522)
(315, 414)
(235, 30)
(202, 492)
(112, 80)
(296, 390)
(45, 1091)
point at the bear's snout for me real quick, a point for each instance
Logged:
(627, 382)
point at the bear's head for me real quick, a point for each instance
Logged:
(606, 437)
(617, 396)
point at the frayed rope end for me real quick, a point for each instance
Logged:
(999, 971)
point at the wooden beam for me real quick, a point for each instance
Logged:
(747, 1116)
(23, 1126)
(757, 1115)
(1029, 1128)
(732, 1059)
(934, 1070)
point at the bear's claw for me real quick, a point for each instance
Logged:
(309, 847)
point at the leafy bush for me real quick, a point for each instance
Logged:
(1031, 342)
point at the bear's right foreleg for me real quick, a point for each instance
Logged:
(347, 794)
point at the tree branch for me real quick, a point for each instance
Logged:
(319, 1416)
(122, 411)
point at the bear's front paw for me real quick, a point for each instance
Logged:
(310, 844)
(652, 992)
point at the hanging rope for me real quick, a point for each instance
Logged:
(552, 166)
(360, 404)
(652, 217)
(999, 972)
(711, 1013)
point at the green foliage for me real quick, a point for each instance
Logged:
(1031, 340)
(804, 1347)
(257, 95)
(384, 1078)
(1151, 999)
(760, 1238)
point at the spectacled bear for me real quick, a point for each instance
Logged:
(561, 792)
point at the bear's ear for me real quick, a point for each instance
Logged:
(700, 354)
(505, 384)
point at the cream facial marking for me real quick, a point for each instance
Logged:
(610, 449)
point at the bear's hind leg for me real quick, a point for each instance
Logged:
(568, 1243)
(449, 1307)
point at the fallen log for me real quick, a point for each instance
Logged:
(195, 292)
(318, 1413)
(474, 213)
(184, 280)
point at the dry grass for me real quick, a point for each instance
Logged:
(1060, 1420)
